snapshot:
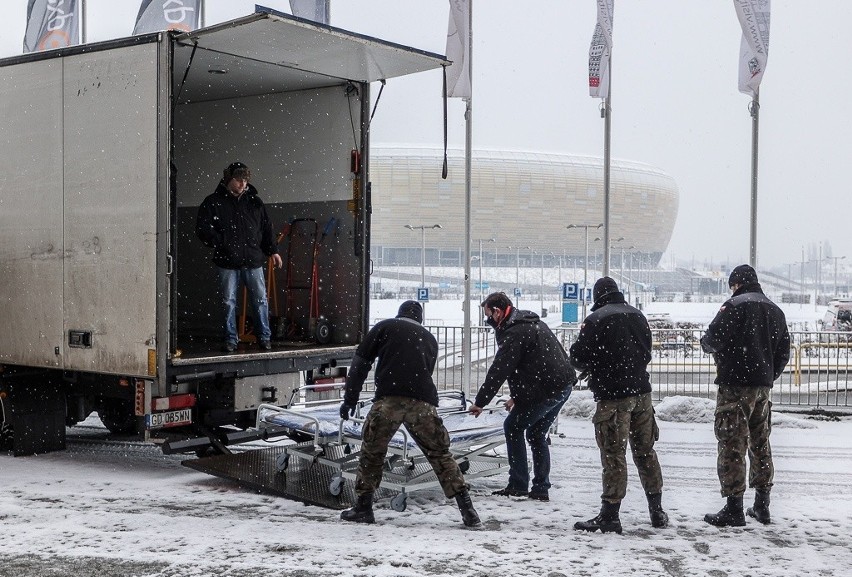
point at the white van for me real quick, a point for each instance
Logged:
(838, 316)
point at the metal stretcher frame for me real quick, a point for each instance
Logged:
(406, 469)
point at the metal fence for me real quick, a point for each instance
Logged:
(818, 374)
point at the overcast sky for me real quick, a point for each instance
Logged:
(674, 93)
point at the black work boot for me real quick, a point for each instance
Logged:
(760, 511)
(659, 518)
(607, 520)
(362, 512)
(731, 515)
(469, 516)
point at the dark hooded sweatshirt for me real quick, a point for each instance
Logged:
(748, 339)
(530, 358)
(406, 352)
(238, 229)
(614, 347)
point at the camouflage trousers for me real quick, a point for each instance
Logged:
(423, 424)
(617, 422)
(743, 424)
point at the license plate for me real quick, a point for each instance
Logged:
(168, 419)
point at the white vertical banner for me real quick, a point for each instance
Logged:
(458, 73)
(51, 24)
(316, 10)
(156, 15)
(599, 51)
(754, 46)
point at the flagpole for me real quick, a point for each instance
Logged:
(82, 21)
(468, 145)
(754, 110)
(607, 112)
(203, 21)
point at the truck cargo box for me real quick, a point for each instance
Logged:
(111, 148)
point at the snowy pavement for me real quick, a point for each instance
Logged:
(125, 509)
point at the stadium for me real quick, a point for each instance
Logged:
(524, 201)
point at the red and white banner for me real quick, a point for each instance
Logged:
(754, 46)
(600, 50)
(458, 50)
(51, 24)
(156, 15)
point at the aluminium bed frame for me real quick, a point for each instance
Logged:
(316, 426)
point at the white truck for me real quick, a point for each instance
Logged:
(108, 300)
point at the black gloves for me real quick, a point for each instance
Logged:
(346, 410)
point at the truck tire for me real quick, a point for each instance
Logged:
(118, 416)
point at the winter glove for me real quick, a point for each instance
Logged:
(346, 410)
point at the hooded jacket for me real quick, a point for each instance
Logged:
(406, 352)
(614, 347)
(749, 339)
(238, 229)
(530, 358)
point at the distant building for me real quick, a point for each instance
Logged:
(524, 200)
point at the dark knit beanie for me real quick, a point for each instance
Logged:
(604, 286)
(743, 274)
(411, 310)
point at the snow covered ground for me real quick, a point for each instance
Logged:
(109, 508)
(125, 509)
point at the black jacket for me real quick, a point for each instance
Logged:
(237, 228)
(748, 339)
(407, 353)
(530, 358)
(614, 347)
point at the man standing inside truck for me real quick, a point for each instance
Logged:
(233, 221)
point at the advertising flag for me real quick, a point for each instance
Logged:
(156, 15)
(599, 51)
(458, 50)
(754, 46)
(316, 10)
(51, 24)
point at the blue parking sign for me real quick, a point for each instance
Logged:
(423, 294)
(570, 291)
(517, 291)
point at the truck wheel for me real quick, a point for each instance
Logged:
(118, 416)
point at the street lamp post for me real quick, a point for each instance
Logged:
(621, 268)
(422, 228)
(835, 259)
(492, 239)
(586, 227)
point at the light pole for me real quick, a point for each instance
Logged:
(599, 239)
(586, 227)
(835, 259)
(492, 239)
(422, 228)
(621, 268)
(517, 271)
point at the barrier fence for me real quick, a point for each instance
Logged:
(818, 374)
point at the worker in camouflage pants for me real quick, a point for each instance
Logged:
(743, 424)
(613, 349)
(750, 344)
(405, 395)
(425, 427)
(616, 421)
